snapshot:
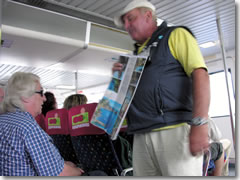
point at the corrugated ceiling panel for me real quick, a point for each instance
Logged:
(112, 11)
(60, 78)
(181, 9)
(202, 16)
(86, 4)
(64, 1)
(158, 4)
(193, 13)
(107, 6)
(172, 7)
(52, 78)
(97, 5)
(75, 3)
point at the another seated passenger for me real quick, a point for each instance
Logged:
(75, 100)
(49, 104)
(216, 148)
(217, 159)
(25, 149)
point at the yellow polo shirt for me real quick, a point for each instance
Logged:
(184, 48)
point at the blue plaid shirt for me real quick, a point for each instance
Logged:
(25, 149)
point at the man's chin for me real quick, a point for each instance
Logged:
(136, 39)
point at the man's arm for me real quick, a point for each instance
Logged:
(201, 100)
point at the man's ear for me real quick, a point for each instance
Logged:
(148, 15)
(25, 99)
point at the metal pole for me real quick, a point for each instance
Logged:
(226, 78)
(0, 24)
(76, 81)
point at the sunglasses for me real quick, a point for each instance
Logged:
(40, 92)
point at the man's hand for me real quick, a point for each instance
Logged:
(70, 163)
(117, 67)
(73, 165)
(70, 169)
(198, 139)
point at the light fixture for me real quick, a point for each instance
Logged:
(208, 44)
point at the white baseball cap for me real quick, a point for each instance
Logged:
(132, 5)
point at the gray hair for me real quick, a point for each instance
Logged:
(154, 16)
(19, 85)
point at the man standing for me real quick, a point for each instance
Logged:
(25, 149)
(169, 112)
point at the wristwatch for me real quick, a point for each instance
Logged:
(198, 121)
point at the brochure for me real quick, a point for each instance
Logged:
(111, 110)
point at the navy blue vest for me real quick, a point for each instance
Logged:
(164, 94)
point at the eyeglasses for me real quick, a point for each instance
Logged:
(40, 92)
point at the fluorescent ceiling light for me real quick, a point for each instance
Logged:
(208, 44)
(65, 87)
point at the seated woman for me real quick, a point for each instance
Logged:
(49, 104)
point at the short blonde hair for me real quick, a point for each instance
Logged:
(74, 100)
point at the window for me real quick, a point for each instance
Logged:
(219, 105)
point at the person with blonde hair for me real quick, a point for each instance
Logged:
(25, 149)
(74, 100)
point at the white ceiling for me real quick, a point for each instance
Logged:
(49, 36)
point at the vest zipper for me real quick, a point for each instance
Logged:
(161, 111)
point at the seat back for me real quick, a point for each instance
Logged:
(93, 147)
(79, 120)
(56, 122)
(41, 121)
